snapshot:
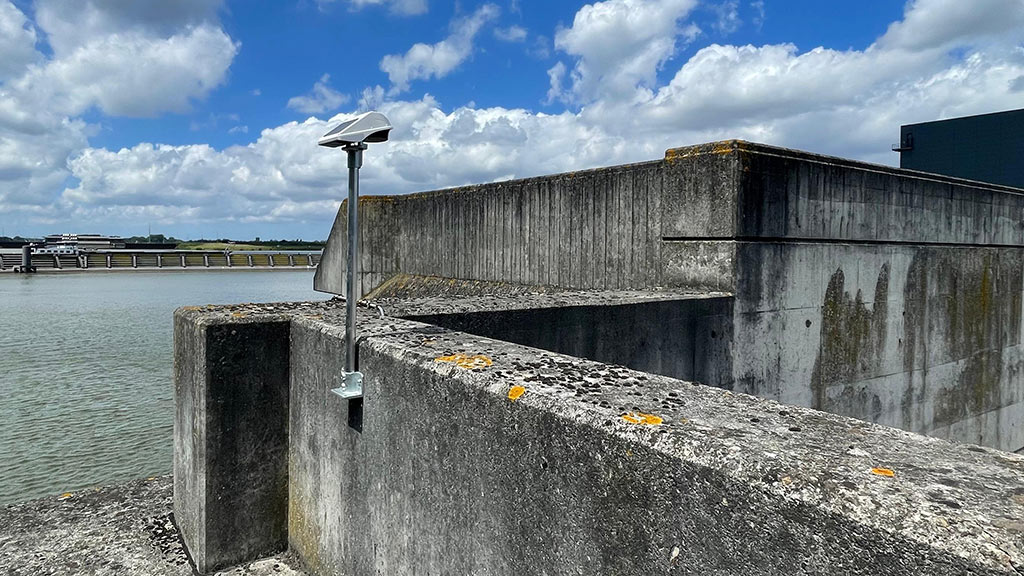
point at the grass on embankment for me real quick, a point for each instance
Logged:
(226, 246)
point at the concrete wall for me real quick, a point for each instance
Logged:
(683, 339)
(595, 229)
(231, 439)
(807, 244)
(881, 295)
(445, 473)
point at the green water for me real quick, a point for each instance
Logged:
(86, 396)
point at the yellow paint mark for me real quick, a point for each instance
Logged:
(883, 472)
(641, 418)
(515, 392)
(468, 362)
(65, 496)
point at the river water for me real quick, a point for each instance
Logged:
(86, 392)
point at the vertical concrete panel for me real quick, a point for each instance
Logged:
(563, 198)
(599, 256)
(638, 250)
(247, 442)
(231, 471)
(586, 224)
(653, 241)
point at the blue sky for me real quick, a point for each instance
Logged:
(199, 117)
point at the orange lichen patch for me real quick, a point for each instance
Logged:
(883, 472)
(237, 315)
(65, 496)
(641, 418)
(515, 392)
(477, 362)
(724, 147)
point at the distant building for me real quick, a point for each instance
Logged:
(83, 241)
(987, 147)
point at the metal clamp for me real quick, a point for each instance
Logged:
(353, 387)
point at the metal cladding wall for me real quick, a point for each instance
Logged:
(987, 148)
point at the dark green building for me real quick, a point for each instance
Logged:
(987, 147)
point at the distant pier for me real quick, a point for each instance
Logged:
(12, 261)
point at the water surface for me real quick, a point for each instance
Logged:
(86, 392)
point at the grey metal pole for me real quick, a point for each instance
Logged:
(355, 162)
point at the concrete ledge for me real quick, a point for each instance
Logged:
(447, 473)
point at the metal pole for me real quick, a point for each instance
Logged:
(355, 162)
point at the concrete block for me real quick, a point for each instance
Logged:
(231, 438)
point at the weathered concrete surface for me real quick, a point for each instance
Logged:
(124, 530)
(595, 229)
(925, 338)
(799, 239)
(661, 337)
(446, 474)
(231, 439)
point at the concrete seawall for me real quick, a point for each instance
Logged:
(883, 294)
(473, 455)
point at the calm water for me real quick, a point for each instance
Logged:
(86, 396)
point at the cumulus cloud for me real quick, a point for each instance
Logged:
(121, 59)
(69, 24)
(322, 98)
(939, 24)
(425, 61)
(132, 74)
(634, 101)
(645, 34)
(17, 40)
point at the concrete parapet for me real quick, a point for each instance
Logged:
(885, 294)
(230, 438)
(473, 455)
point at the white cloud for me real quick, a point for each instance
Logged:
(931, 24)
(425, 61)
(130, 74)
(645, 34)
(322, 98)
(122, 59)
(403, 7)
(556, 75)
(728, 13)
(510, 34)
(69, 24)
(759, 13)
(17, 41)
(844, 102)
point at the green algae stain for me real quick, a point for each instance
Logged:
(853, 337)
